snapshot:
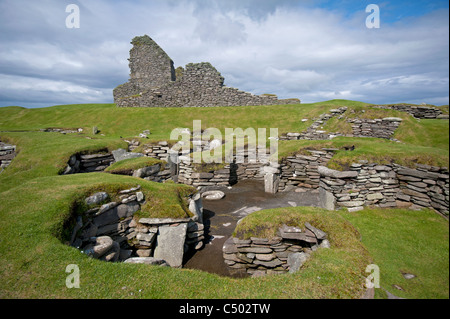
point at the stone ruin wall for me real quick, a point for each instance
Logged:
(419, 112)
(155, 83)
(112, 232)
(7, 154)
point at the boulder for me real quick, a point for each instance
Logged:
(325, 244)
(296, 260)
(140, 196)
(213, 195)
(265, 257)
(297, 236)
(146, 237)
(107, 217)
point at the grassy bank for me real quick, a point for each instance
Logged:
(405, 241)
(33, 259)
(36, 202)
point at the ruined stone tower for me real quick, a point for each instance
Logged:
(150, 66)
(153, 83)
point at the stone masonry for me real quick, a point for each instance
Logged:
(385, 186)
(7, 154)
(286, 252)
(112, 232)
(419, 112)
(155, 83)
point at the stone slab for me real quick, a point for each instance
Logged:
(170, 244)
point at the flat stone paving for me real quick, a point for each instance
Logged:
(221, 216)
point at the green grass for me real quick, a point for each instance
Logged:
(46, 154)
(36, 202)
(398, 241)
(374, 150)
(405, 241)
(114, 122)
(34, 259)
(132, 164)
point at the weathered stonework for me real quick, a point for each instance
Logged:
(88, 163)
(379, 128)
(111, 232)
(285, 253)
(419, 112)
(385, 186)
(7, 154)
(154, 83)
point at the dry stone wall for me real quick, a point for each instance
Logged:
(314, 132)
(386, 186)
(111, 232)
(89, 163)
(420, 112)
(7, 154)
(188, 175)
(154, 83)
(302, 170)
(379, 128)
(284, 253)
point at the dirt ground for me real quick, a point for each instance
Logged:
(221, 216)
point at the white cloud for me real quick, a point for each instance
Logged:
(259, 46)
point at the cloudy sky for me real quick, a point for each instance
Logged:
(312, 50)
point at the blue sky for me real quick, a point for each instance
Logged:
(392, 11)
(312, 50)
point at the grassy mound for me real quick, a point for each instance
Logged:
(125, 167)
(34, 259)
(36, 202)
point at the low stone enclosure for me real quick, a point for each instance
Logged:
(7, 154)
(88, 163)
(284, 253)
(111, 232)
(419, 112)
(365, 184)
(378, 128)
(155, 83)
(386, 186)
